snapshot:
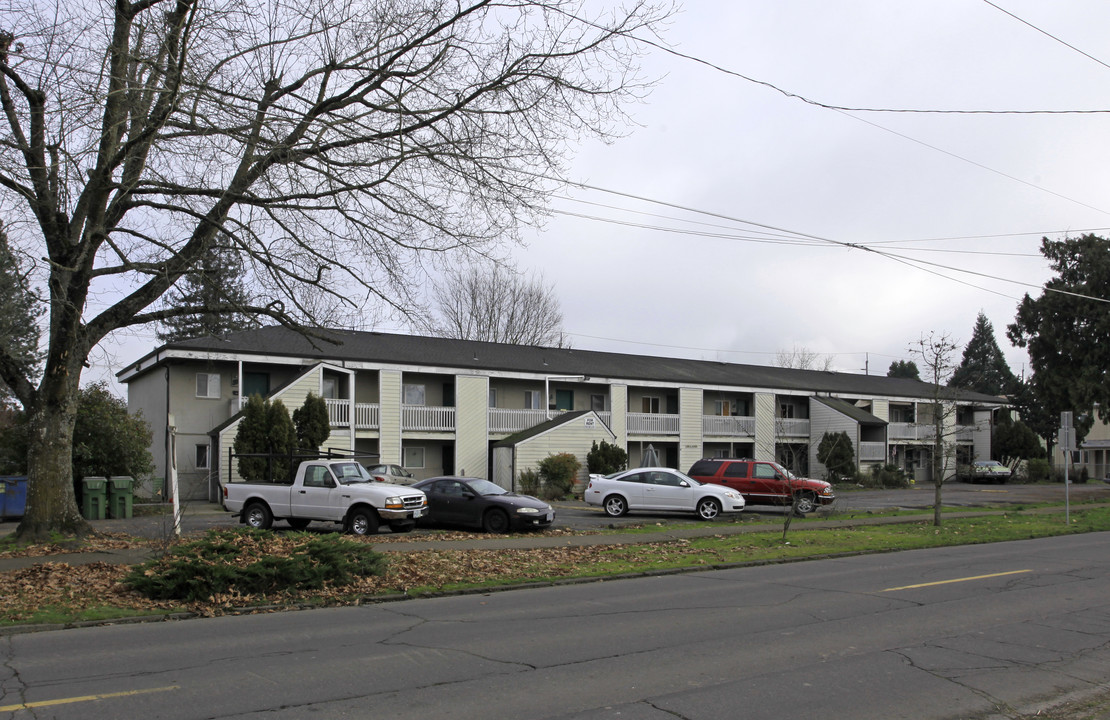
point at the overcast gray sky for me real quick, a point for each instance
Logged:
(971, 192)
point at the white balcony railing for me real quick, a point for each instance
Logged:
(652, 424)
(366, 414)
(909, 431)
(872, 452)
(505, 420)
(734, 425)
(428, 418)
(791, 427)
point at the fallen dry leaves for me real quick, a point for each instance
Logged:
(52, 584)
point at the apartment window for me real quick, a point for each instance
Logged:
(649, 404)
(208, 385)
(597, 403)
(200, 457)
(786, 410)
(414, 457)
(722, 407)
(329, 388)
(532, 400)
(413, 395)
(493, 397)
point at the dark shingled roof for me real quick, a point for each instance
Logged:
(338, 346)
(846, 408)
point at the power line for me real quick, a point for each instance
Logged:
(1048, 34)
(830, 106)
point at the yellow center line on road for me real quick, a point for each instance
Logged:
(945, 582)
(83, 698)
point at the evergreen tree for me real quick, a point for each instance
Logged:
(1065, 331)
(836, 454)
(107, 440)
(983, 368)
(904, 369)
(267, 430)
(20, 307)
(312, 423)
(212, 291)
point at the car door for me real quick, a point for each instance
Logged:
(768, 484)
(632, 487)
(316, 497)
(450, 502)
(667, 491)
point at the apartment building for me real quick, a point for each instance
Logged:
(439, 406)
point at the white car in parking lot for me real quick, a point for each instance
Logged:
(659, 488)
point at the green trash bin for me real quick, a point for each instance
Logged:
(120, 497)
(93, 499)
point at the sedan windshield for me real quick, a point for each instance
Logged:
(485, 487)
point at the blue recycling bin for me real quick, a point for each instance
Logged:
(13, 497)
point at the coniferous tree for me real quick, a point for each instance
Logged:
(983, 368)
(312, 423)
(904, 369)
(20, 308)
(266, 430)
(214, 289)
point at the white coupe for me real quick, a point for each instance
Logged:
(658, 488)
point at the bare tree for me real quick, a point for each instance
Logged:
(333, 144)
(803, 358)
(492, 303)
(936, 354)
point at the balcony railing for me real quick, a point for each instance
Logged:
(505, 420)
(791, 427)
(367, 415)
(909, 431)
(726, 425)
(872, 452)
(428, 418)
(652, 424)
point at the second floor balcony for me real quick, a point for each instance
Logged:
(728, 425)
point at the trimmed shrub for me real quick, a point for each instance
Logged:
(246, 561)
(312, 424)
(606, 458)
(888, 476)
(836, 454)
(559, 471)
(1038, 470)
(528, 481)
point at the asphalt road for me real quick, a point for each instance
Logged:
(973, 631)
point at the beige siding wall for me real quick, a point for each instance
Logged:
(147, 395)
(472, 426)
(881, 409)
(764, 426)
(981, 440)
(511, 392)
(690, 406)
(823, 419)
(389, 443)
(575, 437)
(618, 395)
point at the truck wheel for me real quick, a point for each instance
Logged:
(363, 522)
(805, 503)
(257, 515)
(298, 523)
(495, 521)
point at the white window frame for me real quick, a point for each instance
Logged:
(533, 400)
(329, 388)
(207, 456)
(493, 397)
(211, 386)
(597, 402)
(413, 454)
(412, 392)
(650, 404)
(786, 411)
(722, 407)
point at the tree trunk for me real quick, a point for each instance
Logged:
(51, 501)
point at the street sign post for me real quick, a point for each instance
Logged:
(1065, 439)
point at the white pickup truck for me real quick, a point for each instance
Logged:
(328, 490)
